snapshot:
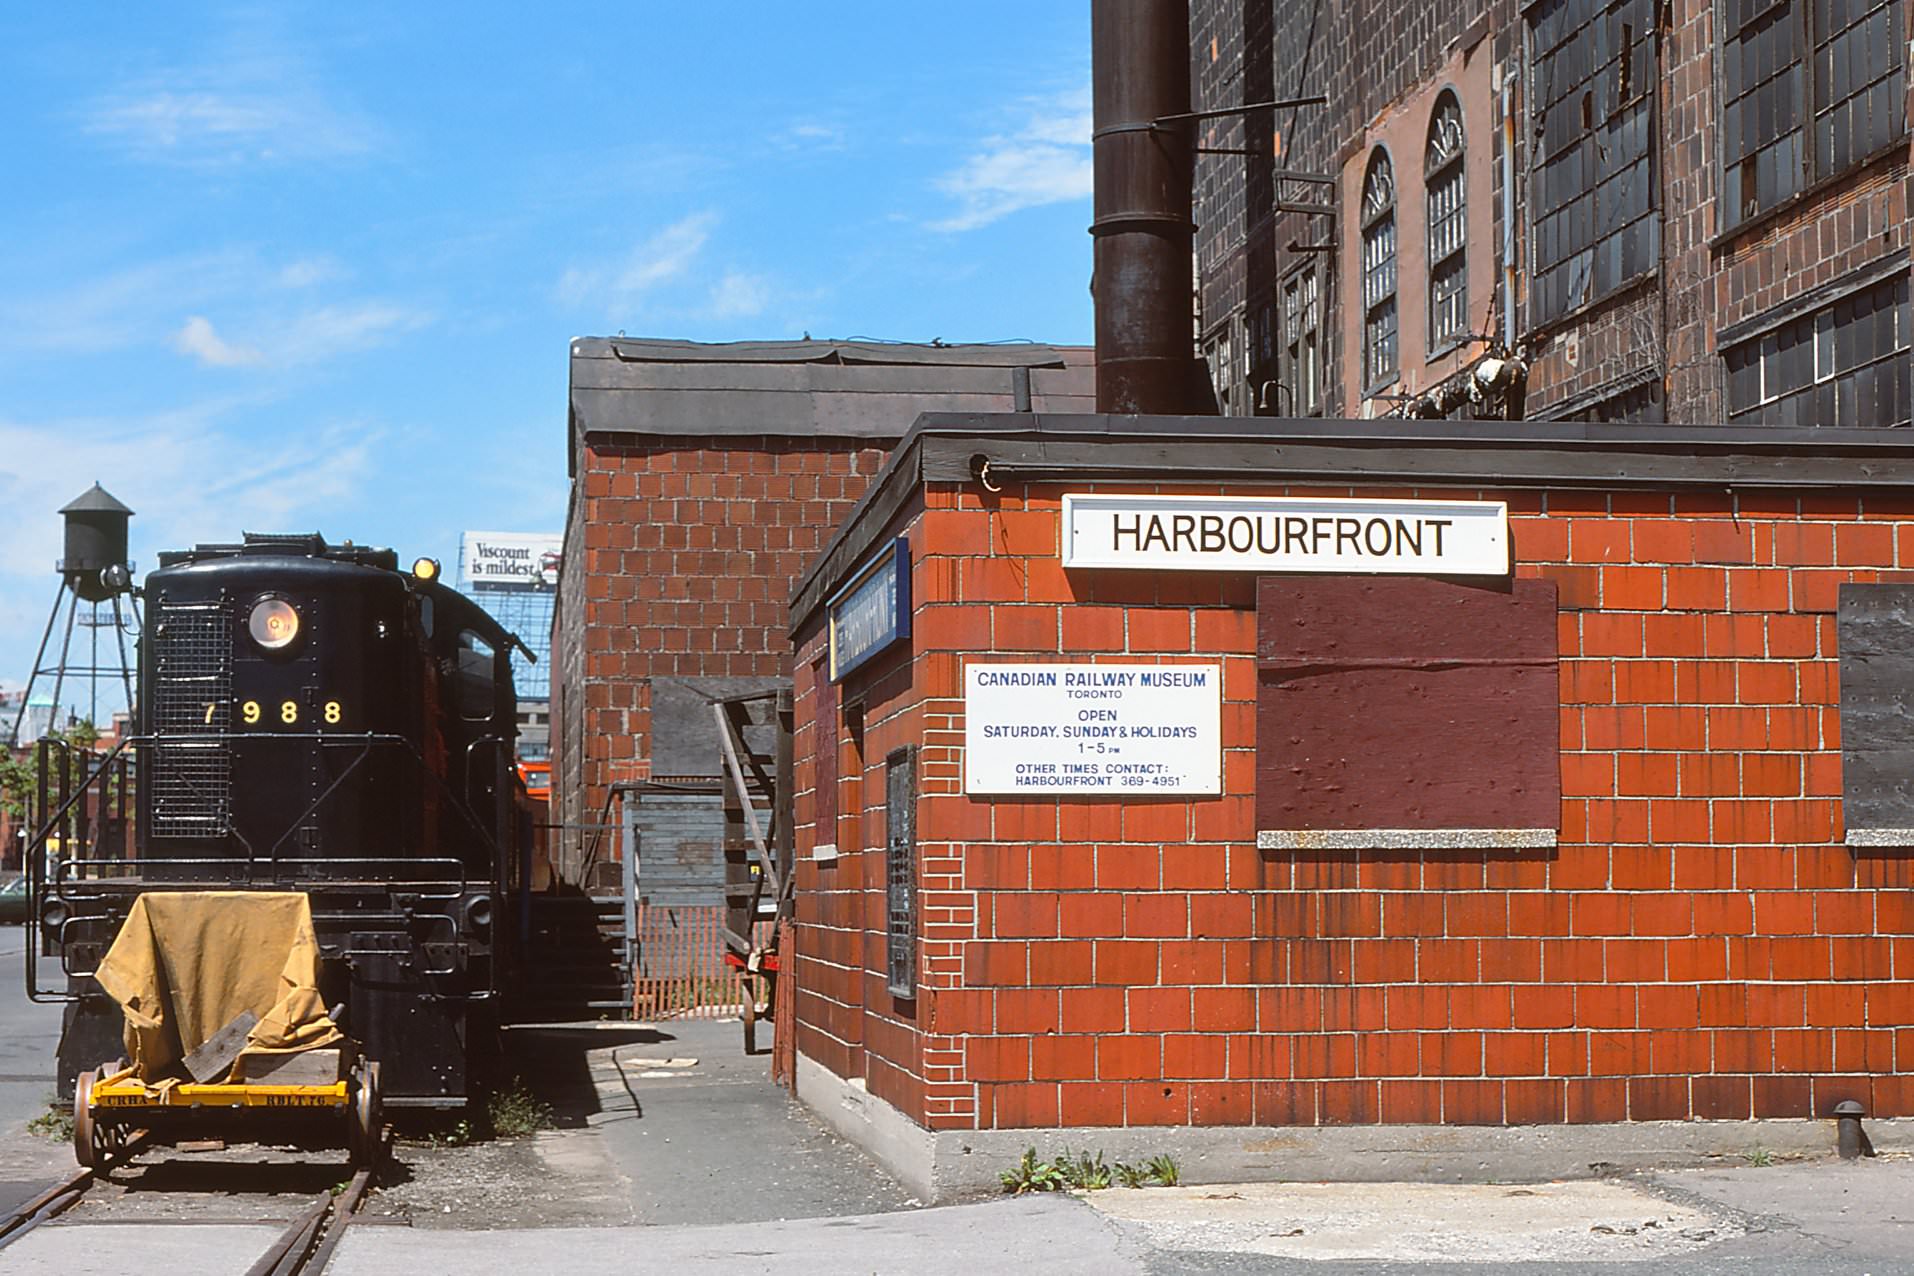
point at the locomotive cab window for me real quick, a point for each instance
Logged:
(474, 677)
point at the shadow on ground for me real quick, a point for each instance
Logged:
(555, 1061)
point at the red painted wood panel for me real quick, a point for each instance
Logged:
(1406, 702)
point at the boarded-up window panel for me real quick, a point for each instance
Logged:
(1875, 629)
(1406, 703)
(825, 793)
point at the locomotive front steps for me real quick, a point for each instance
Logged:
(574, 966)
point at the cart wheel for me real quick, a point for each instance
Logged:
(367, 1115)
(87, 1149)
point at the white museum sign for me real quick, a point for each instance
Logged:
(1103, 728)
(1286, 534)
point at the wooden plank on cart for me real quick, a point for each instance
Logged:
(322, 1066)
(216, 1054)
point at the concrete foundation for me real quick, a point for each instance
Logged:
(945, 1165)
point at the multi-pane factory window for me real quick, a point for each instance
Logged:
(1448, 229)
(1592, 74)
(1378, 272)
(1302, 364)
(1846, 364)
(1807, 90)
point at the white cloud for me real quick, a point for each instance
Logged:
(307, 272)
(251, 100)
(811, 136)
(1046, 161)
(312, 336)
(330, 330)
(619, 286)
(737, 295)
(125, 307)
(197, 338)
(174, 301)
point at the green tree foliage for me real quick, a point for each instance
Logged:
(17, 773)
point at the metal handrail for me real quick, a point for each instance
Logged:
(71, 873)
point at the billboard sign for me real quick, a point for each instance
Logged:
(509, 560)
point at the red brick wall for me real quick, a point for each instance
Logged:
(1701, 944)
(680, 557)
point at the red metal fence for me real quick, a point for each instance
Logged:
(681, 968)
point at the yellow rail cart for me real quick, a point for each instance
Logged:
(107, 1109)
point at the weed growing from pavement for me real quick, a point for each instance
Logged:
(456, 1135)
(1760, 1157)
(1084, 1173)
(1032, 1175)
(54, 1126)
(515, 1111)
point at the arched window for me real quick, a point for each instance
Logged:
(1378, 272)
(1448, 227)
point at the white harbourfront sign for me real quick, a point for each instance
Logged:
(1286, 534)
(1103, 728)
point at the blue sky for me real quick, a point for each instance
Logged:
(317, 266)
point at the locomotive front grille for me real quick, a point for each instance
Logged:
(192, 779)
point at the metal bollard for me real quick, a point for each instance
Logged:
(1849, 1140)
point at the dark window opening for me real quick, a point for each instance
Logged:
(1448, 226)
(900, 872)
(1808, 90)
(1846, 364)
(474, 678)
(1379, 359)
(1592, 179)
(1302, 361)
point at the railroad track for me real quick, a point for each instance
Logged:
(305, 1246)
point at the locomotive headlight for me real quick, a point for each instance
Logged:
(426, 568)
(273, 623)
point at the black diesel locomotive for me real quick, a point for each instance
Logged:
(312, 718)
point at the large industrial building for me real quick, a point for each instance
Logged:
(1639, 211)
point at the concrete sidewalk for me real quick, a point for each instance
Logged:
(1811, 1217)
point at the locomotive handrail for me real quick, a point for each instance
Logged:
(34, 937)
(82, 877)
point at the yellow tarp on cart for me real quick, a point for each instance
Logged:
(187, 963)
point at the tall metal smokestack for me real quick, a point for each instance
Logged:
(1140, 69)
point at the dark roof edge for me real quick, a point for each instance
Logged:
(978, 354)
(951, 447)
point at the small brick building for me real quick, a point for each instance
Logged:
(1610, 839)
(704, 477)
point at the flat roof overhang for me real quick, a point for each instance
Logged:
(943, 447)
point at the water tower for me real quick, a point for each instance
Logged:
(95, 570)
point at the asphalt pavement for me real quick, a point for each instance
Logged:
(29, 1032)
